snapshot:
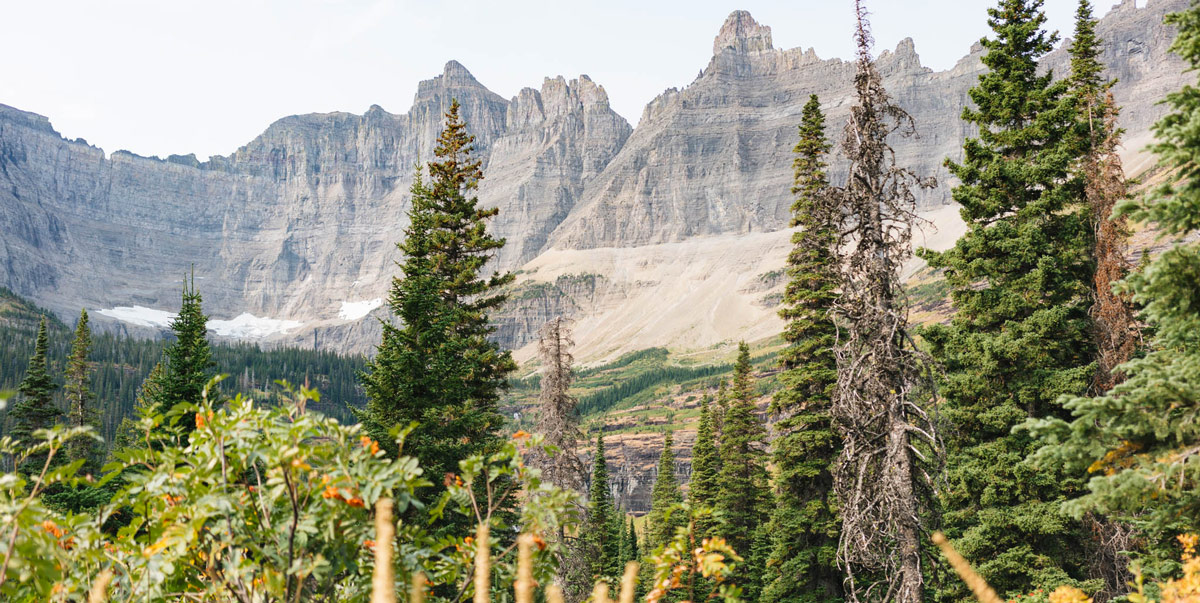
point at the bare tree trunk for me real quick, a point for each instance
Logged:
(891, 450)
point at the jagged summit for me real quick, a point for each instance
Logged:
(455, 72)
(650, 238)
(742, 34)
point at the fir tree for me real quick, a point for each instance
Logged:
(706, 467)
(129, 431)
(1138, 441)
(189, 364)
(721, 409)
(80, 409)
(661, 521)
(744, 491)
(600, 530)
(664, 516)
(1021, 337)
(35, 407)
(1116, 331)
(803, 563)
(438, 368)
(630, 546)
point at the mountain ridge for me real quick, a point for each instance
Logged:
(301, 220)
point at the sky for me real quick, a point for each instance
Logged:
(161, 77)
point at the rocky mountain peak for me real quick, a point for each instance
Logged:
(904, 58)
(455, 73)
(454, 77)
(742, 34)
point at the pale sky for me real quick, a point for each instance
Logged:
(158, 77)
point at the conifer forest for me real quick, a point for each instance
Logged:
(1037, 443)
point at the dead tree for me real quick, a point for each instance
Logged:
(558, 422)
(891, 449)
(1117, 332)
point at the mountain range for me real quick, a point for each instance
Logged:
(671, 233)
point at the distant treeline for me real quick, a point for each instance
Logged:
(121, 363)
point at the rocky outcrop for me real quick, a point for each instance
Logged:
(715, 157)
(294, 224)
(675, 217)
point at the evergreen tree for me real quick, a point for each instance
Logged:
(35, 407)
(629, 545)
(661, 522)
(1138, 441)
(1021, 337)
(129, 432)
(664, 518)
(438, 368)
(744, 490)
(189, 364)
(601, 531)
(721, 409)
(803, 564)
(1116, 330)
(80, 409)
(706, 467)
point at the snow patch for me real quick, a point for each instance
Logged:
(359, 309)
(141, 316)
(245, 326)
(249, 326)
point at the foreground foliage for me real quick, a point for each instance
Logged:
(261, 504)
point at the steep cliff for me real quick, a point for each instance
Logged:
(647, 236)
(715, 157)
(291, 227)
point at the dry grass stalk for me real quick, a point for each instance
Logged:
(629, 583)
(554, 594)
(383, 589)
(524, 584)
(600, 593)
(99, 591)
(417, 593)
(978, 585)
(483, 564)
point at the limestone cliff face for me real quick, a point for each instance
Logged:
(647, 236)
(290, 226)
(715, 157)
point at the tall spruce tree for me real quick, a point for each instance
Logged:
(129, 431)
(1138, 442)
(189, 363)
(629, 546)
(80, 409)
(601, 532)
(35, 407)
(804, 524)
(664, 496)
(664, 518)
(1116, 330)
(744, 493)
(706, 467)
(1020, 282)
(890, 447)
(721, 409)
(438, 367)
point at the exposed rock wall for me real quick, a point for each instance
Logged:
(715, 157)
(305, 217)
